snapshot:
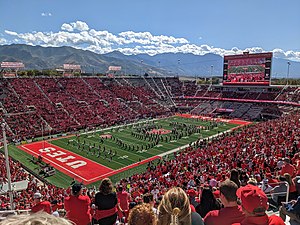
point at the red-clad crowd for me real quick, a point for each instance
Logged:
(254, 154)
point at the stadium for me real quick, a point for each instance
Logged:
(146, 133)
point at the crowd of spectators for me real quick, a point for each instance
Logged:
(190, 188)
(56, 104)
(253, 155)
(43, 106)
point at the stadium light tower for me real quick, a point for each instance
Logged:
(11, 198)
(142, 67)
(158, 66)
(211, 74)
(178, 64)
(43, 135)
(288, 72)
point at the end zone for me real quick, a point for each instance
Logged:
(75, 166)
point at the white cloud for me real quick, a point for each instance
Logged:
(148, 38)
(79, 25)
(79, 35)
(46, 14)
(67, 27)
(3, 41)
(11, 33)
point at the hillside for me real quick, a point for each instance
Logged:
(37, 57)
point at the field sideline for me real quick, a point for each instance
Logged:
(89, 157)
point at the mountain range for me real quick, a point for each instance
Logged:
(179, 64)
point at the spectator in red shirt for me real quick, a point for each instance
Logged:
(287, 168)
(254, 204)
(271, 180)
(40, 205)
(123, 199)
(78, 206)
(232, 212)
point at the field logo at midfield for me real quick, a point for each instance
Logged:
(159, 131)
(106, 136)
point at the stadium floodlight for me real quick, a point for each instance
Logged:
(211, 74)
(3, 125)
(288, 72)
(142, 67)
(43, 136)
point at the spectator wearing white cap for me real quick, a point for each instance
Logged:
(287, 168)
(265, 187)
(40, 205)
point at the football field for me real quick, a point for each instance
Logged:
(90, 156)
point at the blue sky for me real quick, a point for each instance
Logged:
(156, 26)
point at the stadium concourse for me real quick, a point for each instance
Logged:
(35, 106)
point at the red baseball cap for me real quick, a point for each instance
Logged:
(268, 175)
(252, 197)
(192, 192)
(217, 193)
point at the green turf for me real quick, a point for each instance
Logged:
(124, 156)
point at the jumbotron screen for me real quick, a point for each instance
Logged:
(247, 69)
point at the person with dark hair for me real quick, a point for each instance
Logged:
(234, 176)
(123, 199)
(77, 206)
(149, 198)
(254, 204)
(243, 178)
(208, 202)
(106, 203)
(232, 212)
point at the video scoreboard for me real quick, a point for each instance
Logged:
(247, 69)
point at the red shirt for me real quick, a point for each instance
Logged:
(288, 168)
(78, 209)
(123, 199)
(224, 216)
(57, 206)
(262, 220)
(42, 206)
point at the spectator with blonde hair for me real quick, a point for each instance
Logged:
(142, 214)
(292, 186)
(175, 209)
(41, 218)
